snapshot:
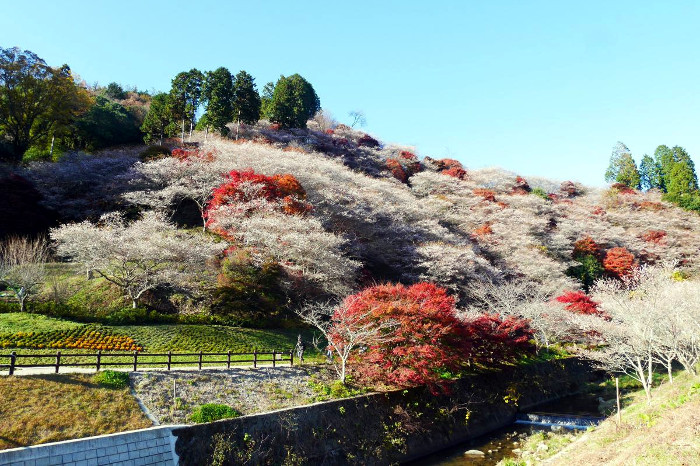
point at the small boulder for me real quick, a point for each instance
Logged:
(474, 453)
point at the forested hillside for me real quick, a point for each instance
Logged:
(262, 210)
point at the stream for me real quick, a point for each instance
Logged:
(576, 411)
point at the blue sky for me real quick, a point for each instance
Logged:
(540, 88)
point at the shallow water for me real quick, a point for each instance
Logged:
(500, 444)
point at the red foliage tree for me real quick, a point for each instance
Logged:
(580, 303)
(586, 246)
(487, 194)
(422, 337)
(452, 168)
(184, 155)
(521, 186)
(426, 338)
(245, 187)
(367, 141)
(495, 340)
(654, 236)
(483, 230)
(397, 170)
(619, 262)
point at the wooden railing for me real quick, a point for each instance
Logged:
(101, 360)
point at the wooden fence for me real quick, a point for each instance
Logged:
(101, 360)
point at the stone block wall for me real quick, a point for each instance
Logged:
(152, 446)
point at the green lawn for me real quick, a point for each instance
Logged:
(14, 322)
(153, 338)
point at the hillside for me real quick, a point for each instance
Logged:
(378, 213)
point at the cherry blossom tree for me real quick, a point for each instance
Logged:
(23, 266)
(138, 256)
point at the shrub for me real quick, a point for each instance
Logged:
(112, 379)
(452, 168)
(187, 154)
(588, 271)
(154, 153)
(368, 141)
(459, 173)
(569, 189)
(619, 262)
(650, 206)
(539, 192)
(623, 188)
(211, 412)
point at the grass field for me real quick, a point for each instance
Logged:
(665, 431)
(31, 334)
(49, 408)
(13, 322)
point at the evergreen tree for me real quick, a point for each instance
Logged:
(663, 156)
(266, 99)
(650, 174)
(682, 177)
(218, 94)
(246, 101)
(293, 102)
(622, 168)
(159, 122)
(185, 95)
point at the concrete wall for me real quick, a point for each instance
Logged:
(381, 428)
(152, 446)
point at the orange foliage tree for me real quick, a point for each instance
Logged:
(619, 262)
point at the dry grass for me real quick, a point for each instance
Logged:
(667, 431)
(50, 408)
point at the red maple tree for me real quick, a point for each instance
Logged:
(244, 187)
(426, 339)
(580, 303)
(619, 262)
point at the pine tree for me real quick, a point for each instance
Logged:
(622, 168)
(218, 94)
(293, 102)
(185, 96)
(246, 101)
(159, 121)
(650, 174)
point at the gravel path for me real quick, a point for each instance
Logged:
(171, 396)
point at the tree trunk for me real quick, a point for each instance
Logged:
(133, 303)
(182, 134)
(191, 130)
(51, 150)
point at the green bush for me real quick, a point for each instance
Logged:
(112, 379)
(211, 412)
(540, 193)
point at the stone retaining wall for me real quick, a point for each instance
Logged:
(381, 428)
(152, 446)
